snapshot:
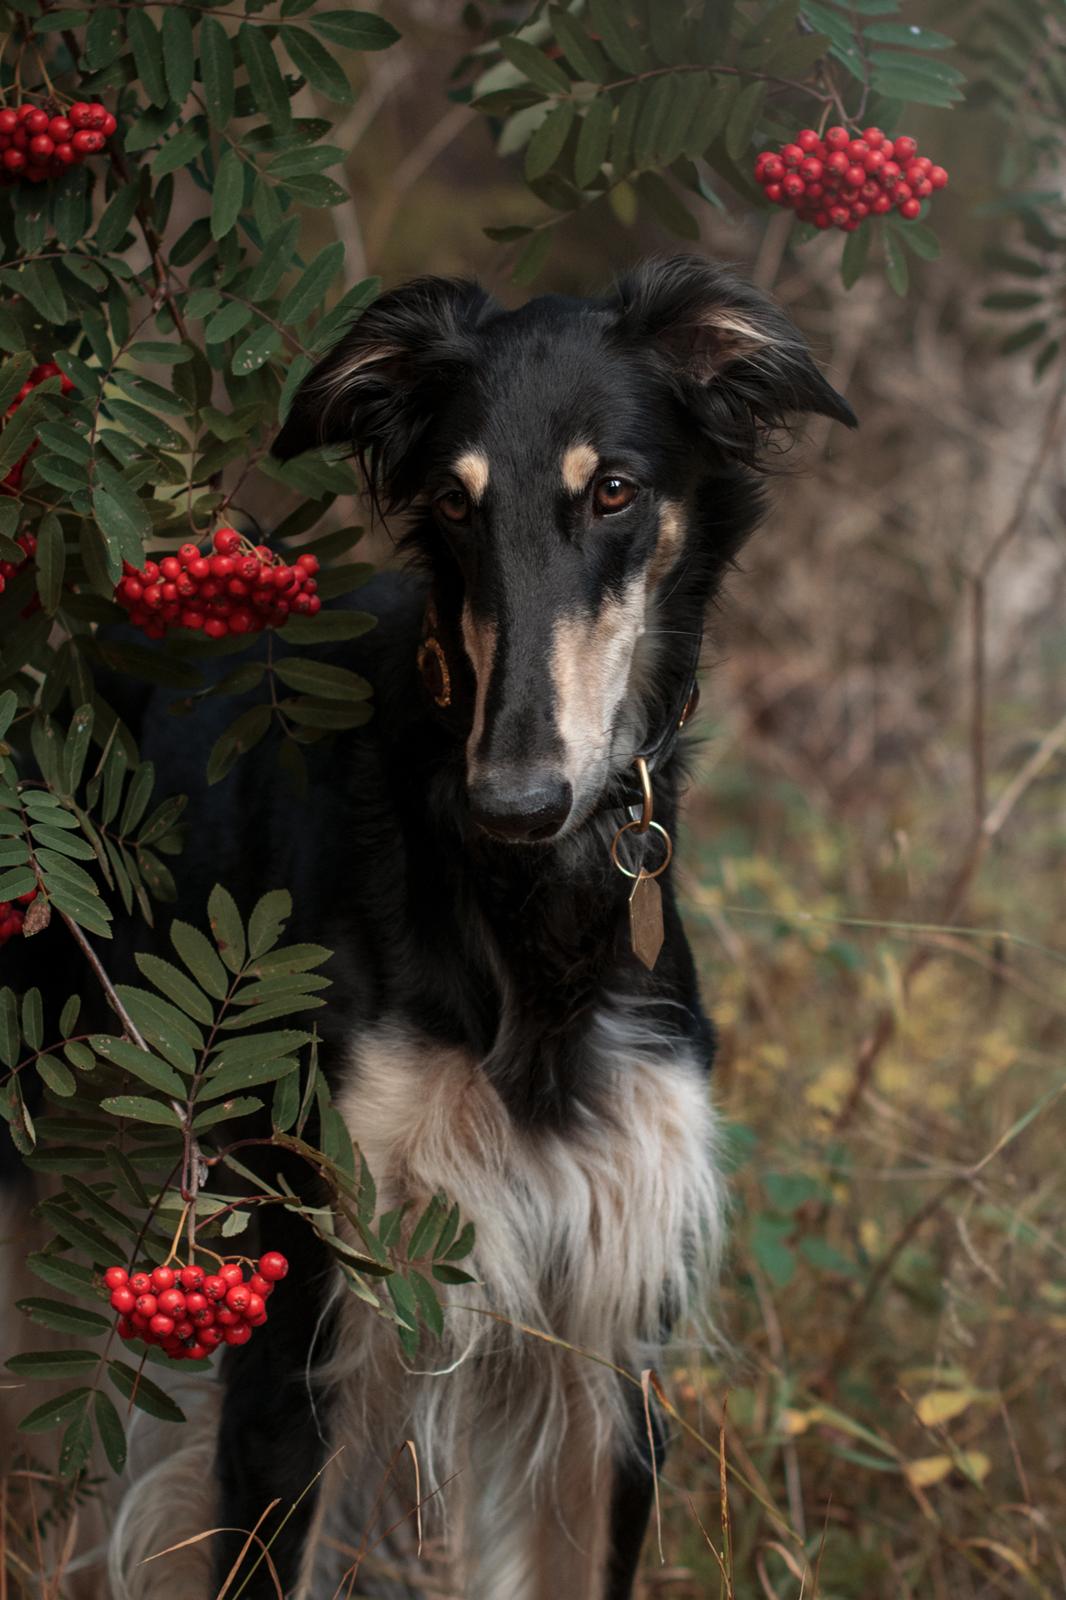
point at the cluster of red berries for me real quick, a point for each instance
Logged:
(241, 588)
(39, 144)
(188, 1312)
(12, 916)
(47, 369)
(835, 181)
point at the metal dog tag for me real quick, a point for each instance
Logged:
(646, 919)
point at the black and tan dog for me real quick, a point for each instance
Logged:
(505, 1028)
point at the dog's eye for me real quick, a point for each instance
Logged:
(453, 505)
(613, 494)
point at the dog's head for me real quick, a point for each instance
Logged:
(582, 470)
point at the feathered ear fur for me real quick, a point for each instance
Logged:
(378, 388)
(734, 358)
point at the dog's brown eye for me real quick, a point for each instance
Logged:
(613, 494)
(453, 505)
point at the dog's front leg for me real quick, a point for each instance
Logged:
(271, 1438)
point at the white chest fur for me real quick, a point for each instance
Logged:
(586, 1236)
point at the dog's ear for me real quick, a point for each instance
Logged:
(733, 356)
(375, 391)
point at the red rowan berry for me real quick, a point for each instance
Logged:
(147, 1305)
(905, 147)
(837, 138)
(115, 1277)
(273, 1266)
(240, 1334)
(140, 1282)
(123, 1299)
(910, 209)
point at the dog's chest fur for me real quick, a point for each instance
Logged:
(593, 1238)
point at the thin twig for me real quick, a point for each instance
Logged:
(128, 1025)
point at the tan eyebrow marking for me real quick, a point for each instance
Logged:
(472, 470)
(668, 544)
(579, 463)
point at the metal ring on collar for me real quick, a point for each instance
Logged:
(656, 827)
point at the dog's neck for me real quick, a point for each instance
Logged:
(540, 935)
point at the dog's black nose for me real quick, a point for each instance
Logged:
(520, 808)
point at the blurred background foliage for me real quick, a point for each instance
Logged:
(874, 862)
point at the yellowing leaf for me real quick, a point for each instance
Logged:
(797, 1422)
(940, 1405)
(1011, 1557)
(927, 1470)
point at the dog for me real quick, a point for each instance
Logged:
(515, 1019)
